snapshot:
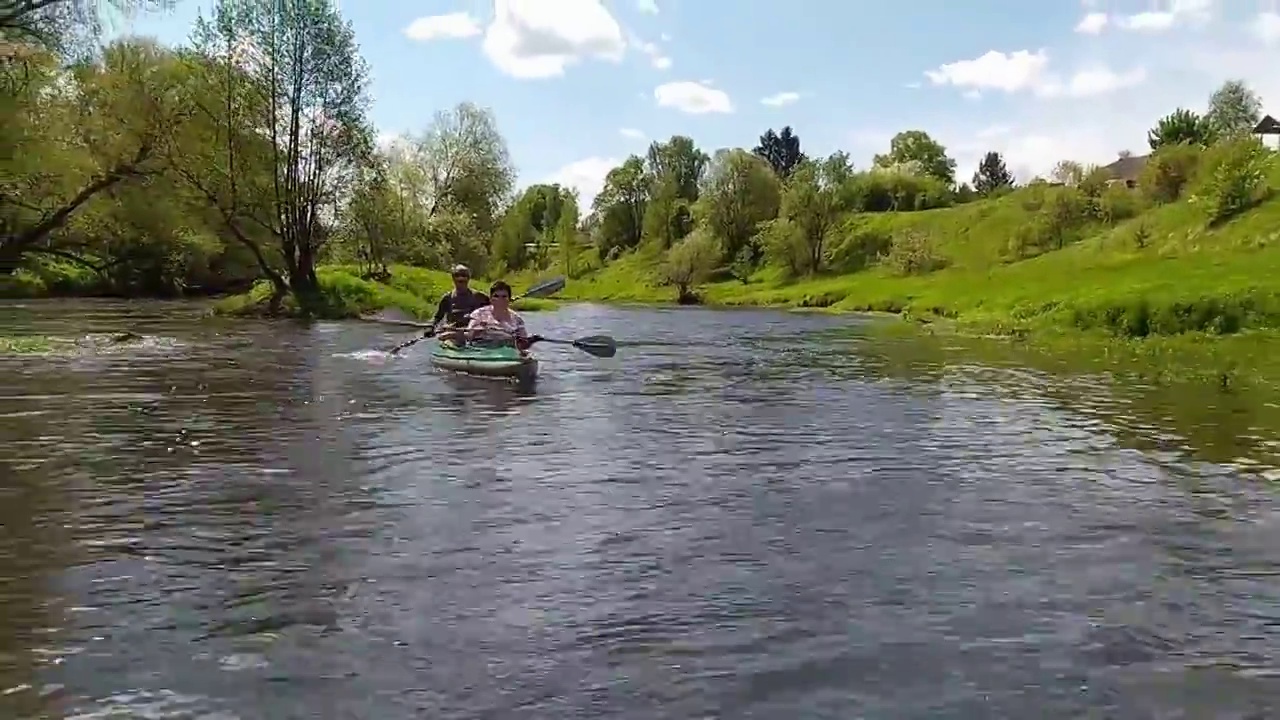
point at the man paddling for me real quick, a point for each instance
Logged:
(457, 305)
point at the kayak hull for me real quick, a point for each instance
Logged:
(499, 362)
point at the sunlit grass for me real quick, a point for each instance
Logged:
(344, 294)
(25, 345)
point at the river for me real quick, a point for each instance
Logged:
(742, 515)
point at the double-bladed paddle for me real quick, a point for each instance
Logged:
(601, 346)
(545, 288)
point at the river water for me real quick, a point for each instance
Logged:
(262, 521)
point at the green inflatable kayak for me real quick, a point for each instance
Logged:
(500, 362)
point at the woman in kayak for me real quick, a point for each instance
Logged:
(496, 323)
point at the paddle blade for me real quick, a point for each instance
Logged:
(601, 346)
(545, 288)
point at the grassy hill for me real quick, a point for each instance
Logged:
(1162, 269)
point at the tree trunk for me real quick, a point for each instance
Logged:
(10, 257)
(304, 279)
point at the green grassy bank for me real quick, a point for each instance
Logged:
(51, 277)
(1164, 271)
(345, 294)
(1166, 288)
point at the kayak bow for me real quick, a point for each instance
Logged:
(495, 362)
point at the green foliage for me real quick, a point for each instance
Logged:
(1167, 172)
(781, 150)
(26, 345)
(784, 247)
(1181, 126)
(927, 154)
(690, 263)
(621, 206)
(66, 27)
(740, 192)
(1060, 216)
(668, 217)
(897, 188)
(913, 253)
(1233, 178)
(992, 175)
(1234, 110)
(307, 85)
(1116, 204)
(816, 198)
(860, 246)
(87, 176)
(1069, 173)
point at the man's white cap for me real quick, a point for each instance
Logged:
(460, 270)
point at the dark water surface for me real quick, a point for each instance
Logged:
(256, 521)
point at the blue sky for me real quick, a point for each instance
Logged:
(576, 85)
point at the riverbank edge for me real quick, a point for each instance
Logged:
(345, 295)
(1247, 356)
(1250, 356)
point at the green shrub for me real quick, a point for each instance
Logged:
(885, 190)
(859, 246)
(1168, 171)
(1063, 213)
(784, 247)
(912, 253)
(1093, 182)
(1233, 179)
(1117, 204)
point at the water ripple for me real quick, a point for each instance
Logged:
(270, 521)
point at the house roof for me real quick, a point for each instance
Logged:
(1127, 168)
(1267, 126)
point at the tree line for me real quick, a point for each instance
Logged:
(735, 211)
(248, 154)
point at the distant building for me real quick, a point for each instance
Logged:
(1268, 126)
(1126, 170)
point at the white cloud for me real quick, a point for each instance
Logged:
(1179, 13)
(631, 133)
(1026, 71)
(657, 58)
(586, 176)
(539, 39)
(1092, 82)
(1034, 136)
(780, 99)
(1267, 27)
(647, 6)
(440, 27)
(1092, 23)
(694, 98)
(994, 70)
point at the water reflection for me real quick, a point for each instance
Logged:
(772, 520)
(1177, 421)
